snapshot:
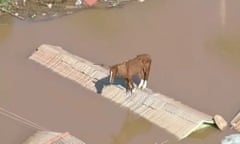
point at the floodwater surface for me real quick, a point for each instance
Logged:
(195, 52)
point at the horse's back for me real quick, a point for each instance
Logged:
(144, 55)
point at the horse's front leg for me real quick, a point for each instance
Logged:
(141, 75)
(146, 74)
(145, 84)
(140, 85)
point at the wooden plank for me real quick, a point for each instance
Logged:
(235, 123)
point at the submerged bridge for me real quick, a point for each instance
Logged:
(177, 118)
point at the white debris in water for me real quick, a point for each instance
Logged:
(141, 0)
(49, 5)
(24, 2)
(78, 2)
(231, 139)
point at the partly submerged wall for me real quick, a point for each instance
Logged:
(49, 137)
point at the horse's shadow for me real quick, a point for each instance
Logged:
(117, 81)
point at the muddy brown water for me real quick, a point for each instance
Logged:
(189, 64)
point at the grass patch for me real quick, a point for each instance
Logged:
(4, 1)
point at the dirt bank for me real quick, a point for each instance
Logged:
(49, 9)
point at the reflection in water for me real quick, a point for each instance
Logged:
(229, 47)
(5, 26)
(102, 23)
(132, 126)
(223, 12)
(5, 19)
(203, 133)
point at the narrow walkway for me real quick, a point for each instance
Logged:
(175, 117)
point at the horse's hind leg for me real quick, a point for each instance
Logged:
(133, 89)
(130, 86)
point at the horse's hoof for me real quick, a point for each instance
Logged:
(145, 84)
(128, 93)
(133, 90)
(140, 85)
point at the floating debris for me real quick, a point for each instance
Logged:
(33, 16)
(49, 5)
(25, 9)
(15, 14)
(220, 122)
(114, 4)
(231, 139)
(24, 2)
(90, 2)
(78, 2)
(235, 123)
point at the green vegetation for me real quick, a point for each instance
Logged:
(3, 1)
(9, 7)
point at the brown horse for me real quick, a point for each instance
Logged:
(140, 66)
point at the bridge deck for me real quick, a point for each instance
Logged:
(172, 115)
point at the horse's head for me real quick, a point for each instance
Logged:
(113, 73)
(145, 59)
